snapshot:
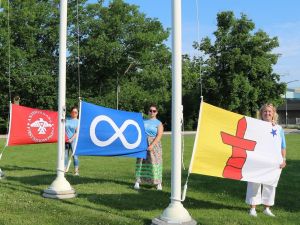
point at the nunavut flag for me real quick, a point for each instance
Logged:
(109, 132)
(31, 126)
(234, 146)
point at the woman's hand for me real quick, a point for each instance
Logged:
(150, 147)
(283, 164)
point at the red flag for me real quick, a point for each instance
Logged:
(32, 126)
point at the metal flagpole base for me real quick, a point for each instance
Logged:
(174, 214)
(60, 189)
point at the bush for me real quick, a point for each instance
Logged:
(3, 126)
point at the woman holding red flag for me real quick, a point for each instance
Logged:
(71, 132)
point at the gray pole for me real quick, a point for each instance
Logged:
(286, 114)
(286, 111)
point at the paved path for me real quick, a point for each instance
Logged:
(286, 131)
(165, 133)
(290, 131)
(185, 132)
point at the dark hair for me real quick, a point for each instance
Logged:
(153, 105)
(74, 107)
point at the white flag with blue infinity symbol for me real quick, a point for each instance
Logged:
(109, 132)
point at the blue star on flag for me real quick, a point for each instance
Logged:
(273, 132)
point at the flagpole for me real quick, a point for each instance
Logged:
(175, 213)
(60, 187)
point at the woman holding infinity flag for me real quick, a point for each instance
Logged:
(149, 170)
(261, 193)
(71, 132)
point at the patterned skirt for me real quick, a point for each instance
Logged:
(149, 170)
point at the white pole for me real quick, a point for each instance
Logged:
(175, 213)
(176, 103)
(61, 188)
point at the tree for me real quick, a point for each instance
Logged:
(33, 37)
(119, 46)
(237, 72)
(191, 90)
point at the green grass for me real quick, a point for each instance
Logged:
(106, 196)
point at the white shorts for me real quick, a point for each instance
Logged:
(256, 196)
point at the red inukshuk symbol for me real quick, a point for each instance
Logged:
(235, 163)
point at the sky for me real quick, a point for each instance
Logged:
(280, 18)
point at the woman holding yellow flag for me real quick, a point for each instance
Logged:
(261, 193)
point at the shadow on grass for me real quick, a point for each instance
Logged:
(148, 200)
(36, 180)
(287, 192)
(146, 221)
(13, 168)
(46, 179)
(145, 199)
(77, 180)
(11, 184)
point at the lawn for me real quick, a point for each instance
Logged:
(106, 196)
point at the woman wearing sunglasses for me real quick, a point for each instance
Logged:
(71, 132)
(149, 170)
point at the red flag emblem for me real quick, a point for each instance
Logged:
(32, 126)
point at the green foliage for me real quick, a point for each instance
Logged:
(120, 49)
(123, 53)
(119, 46)
(33, 36)
(237, 73)
(191, 80)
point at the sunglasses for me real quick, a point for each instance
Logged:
(152, 110)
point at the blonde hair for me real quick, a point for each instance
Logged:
(270, 105)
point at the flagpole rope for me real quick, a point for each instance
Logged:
(8, 40)
(201, 94)
(198, 38)
(78, 49)
(78, 73)
(3, 149)
(185, 188)
(189, 171)
(9, 70)
(182, 137)
(69, 163)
